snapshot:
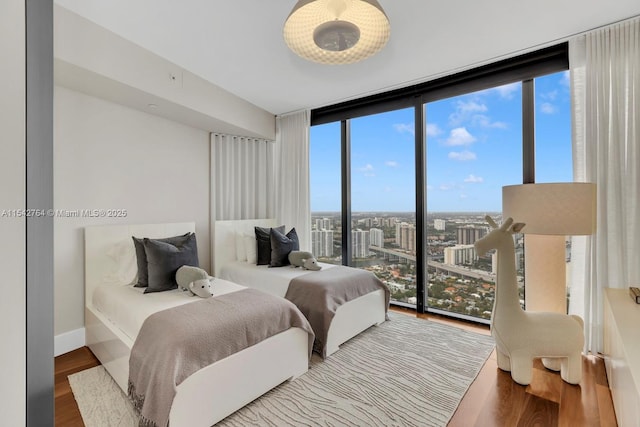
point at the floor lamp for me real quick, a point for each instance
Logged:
(551, 212)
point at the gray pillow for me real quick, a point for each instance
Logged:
(141, 256)
(164, 260)
(281, 246)
(263, 238)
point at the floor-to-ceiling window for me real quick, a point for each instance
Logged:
(474, 147)
(414, 171)
(325, 183)
(383, 214)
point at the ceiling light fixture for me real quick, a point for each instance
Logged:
(336, 31)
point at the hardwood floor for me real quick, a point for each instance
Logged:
(67, 413)
(492, 400)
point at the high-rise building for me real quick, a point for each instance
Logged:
(389, 222)
(322, 243)
(469, 234)
(376, 237)
(323, 224)
(399, 233)
(365, 222)
(460, 255)
(439, 224)
(359, 243)
(406, 236)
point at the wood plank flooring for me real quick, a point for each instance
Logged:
(492, 400)
(66, 409)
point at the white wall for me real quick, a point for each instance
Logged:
(107, 156)
(95, 61)
(12, 230)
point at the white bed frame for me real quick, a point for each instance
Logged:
(216, 390)
(350, 319)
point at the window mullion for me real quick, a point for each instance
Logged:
(421, 204)
(528, 132)
(345, 137)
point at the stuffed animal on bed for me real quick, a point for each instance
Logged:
(201, 287)
(303, 259)
(194, 280)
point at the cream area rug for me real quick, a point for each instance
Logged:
(405, 372)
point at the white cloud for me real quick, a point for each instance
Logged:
(405, 128)
(392, 164)
(485, 122)
(463, 196)
(445, 187)
(548, 108)
(429, 187)
(549, 95)
(460, 136)
(566, 79)
(470, 107)
(462, 155)
(433, 130)
(472, 112)
(367, 170)
(473, 178)
(507, 91)
(465, 111)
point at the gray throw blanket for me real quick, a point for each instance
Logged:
(175, 343)
(319, 294)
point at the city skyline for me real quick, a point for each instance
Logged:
(458, 279)
(473, 149)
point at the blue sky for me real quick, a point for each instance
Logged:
(474, 147)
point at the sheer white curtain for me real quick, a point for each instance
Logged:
(242, 178)
(605, 80)
(292, 175)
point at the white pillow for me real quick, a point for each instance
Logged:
(123, 267)
(241, 254)
(250, 248)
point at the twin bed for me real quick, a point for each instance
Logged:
(349, 318)
(115, 312)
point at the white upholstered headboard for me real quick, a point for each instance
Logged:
(109, 254)
(224, 250)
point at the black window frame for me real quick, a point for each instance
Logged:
(522, 68)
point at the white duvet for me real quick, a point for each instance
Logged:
(274, 280)
(127, 307)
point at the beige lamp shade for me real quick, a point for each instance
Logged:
(336, 31)
(566, 209)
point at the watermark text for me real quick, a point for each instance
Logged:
(63, 213)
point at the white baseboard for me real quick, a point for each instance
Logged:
(68, 341)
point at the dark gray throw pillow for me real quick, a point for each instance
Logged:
(141, 256)
(281, 245)
(164, 259)
(263, 238)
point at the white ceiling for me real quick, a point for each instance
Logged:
(238, 45)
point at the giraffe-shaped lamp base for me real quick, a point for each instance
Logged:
(523, 336)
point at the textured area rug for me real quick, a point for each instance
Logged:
(405, 372)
